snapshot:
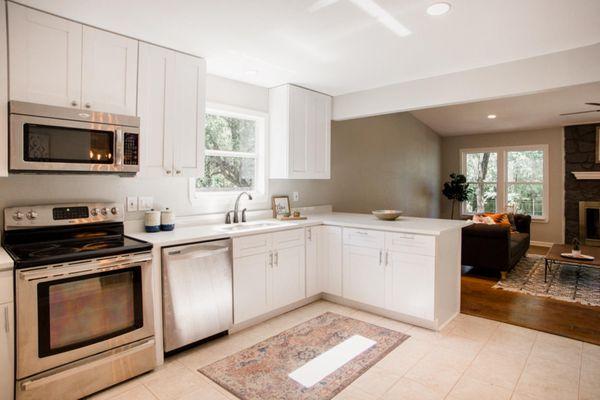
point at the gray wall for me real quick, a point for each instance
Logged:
(381, 162)
(551, 231)
(388, 161)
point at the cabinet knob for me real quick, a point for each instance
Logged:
(168, 172)
(88, 105)
(178, 172)
(74, 103)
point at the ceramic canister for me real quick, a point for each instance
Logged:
(167, 220)
(152, 221)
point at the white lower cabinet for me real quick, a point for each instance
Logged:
(330, 259)
(7, 355)
(268, 273)
(364, 275)
(314, 280)
(411, 286)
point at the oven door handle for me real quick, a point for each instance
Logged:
(100, 265)
(43, 381)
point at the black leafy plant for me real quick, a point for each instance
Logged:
(456, 189)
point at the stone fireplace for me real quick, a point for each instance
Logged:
(589, 223)
(580, 155)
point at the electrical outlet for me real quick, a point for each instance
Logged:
(296, 196)
(145, 203)
(132, 204)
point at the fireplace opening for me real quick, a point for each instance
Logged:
(589, 222)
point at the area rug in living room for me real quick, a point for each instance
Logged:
(564, 282)
(263, 370)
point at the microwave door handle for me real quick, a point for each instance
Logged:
(119, 147)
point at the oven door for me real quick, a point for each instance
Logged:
(49, 144)
(71, 311)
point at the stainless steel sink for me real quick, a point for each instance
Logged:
(246, 226)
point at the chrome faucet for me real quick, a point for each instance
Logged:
(236, 218)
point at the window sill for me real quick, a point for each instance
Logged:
(224, 201)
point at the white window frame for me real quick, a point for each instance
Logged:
(219, 200)
(501, 179)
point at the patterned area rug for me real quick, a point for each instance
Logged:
(565, 282)
(261, 371)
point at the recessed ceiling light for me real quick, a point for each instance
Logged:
(438, 8)
(492, 116)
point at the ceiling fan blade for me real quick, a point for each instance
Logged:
(593, 104)
(580, 112)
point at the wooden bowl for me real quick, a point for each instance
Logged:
(387, 215)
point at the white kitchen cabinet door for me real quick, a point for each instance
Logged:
(314, 276)
(44, 57)
(300, 133)
(7, 354)
(330, 259)
(191, 104)
(109, 72)
(250, 287)
(156, 109)
(287, 277)
(412, 286)
(364, 275)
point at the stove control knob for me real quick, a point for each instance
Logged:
(32, 214)
(18, 216)
(104, 211)
(114, 211)
(94, 212)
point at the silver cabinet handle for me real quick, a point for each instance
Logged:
(380, 256)
(309, 234)
(387, 256)
(277, 258)
(271, 259)
(74, 103)
(6, 322)
(88, 105)
(361, 233)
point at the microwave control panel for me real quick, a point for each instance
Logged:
(130, 149)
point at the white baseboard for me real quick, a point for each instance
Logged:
(541, 244)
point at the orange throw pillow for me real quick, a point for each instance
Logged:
(499, 218)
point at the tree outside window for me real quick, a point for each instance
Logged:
(482, 174)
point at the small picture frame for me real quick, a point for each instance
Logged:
(281, 206)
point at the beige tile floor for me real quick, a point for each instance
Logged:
(472, 358)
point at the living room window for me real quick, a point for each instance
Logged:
(234, 155)
(507, 178)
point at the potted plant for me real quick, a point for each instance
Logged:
(576, 248)
(456, 189)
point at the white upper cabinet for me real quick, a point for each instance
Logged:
(44, 57)
(109, 72)
(63, 63)
(300, 133)
(191, 106)
(171, 103)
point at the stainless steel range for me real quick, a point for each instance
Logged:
(83, 299)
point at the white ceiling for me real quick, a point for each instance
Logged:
(336, 46)
(518, 113)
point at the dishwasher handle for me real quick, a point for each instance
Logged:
(192, 252)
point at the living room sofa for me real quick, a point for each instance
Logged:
(495, 247)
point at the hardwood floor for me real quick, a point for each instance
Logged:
(571, 320)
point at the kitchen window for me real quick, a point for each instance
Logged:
(234, 155)
(507, 178)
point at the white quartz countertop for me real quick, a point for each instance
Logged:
(188, 234)
(6, 261)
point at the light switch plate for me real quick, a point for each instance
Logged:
(295, 196)
(132, 204)
(145, 203)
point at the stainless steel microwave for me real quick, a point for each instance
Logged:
(58, 139)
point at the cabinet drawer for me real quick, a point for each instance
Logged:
(288, 238)
(410, 243)
(6, 286)
(250, 245)
(364, 238)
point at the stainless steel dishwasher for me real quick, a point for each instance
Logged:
(197, 290)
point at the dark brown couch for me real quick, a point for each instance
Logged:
(494, 247)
